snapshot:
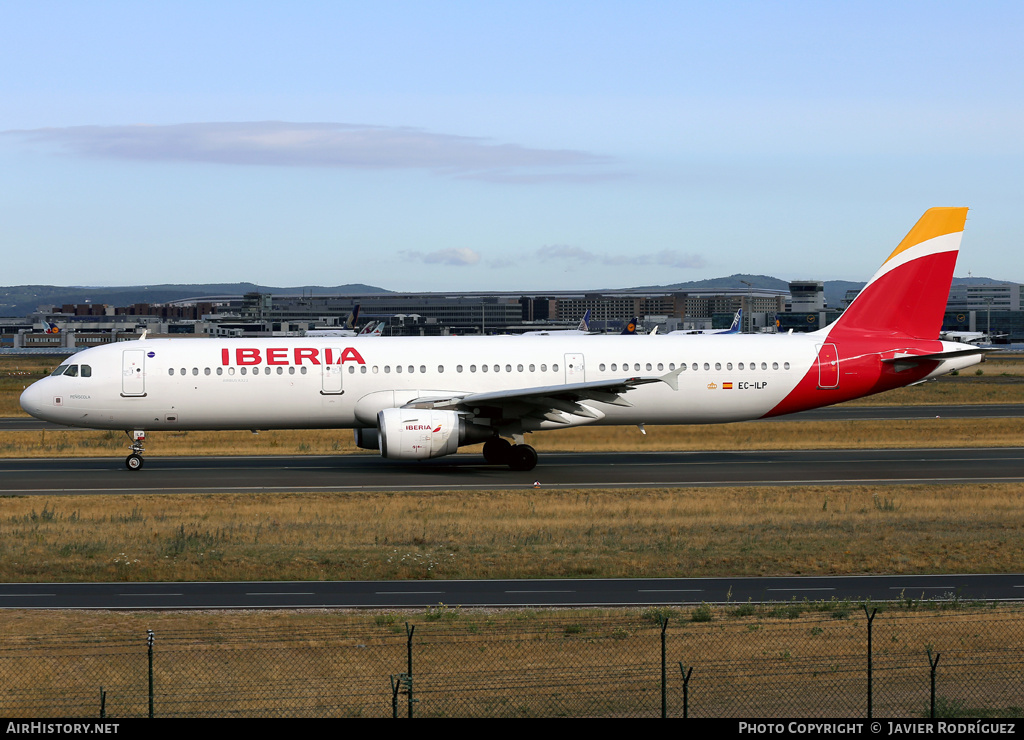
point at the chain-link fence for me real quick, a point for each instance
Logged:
(706, 662)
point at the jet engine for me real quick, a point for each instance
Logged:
(418, 434)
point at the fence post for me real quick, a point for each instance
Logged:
(150, 638)
(408, 655)
(103, 703)
(686, 689)
(664, 671)
(871, 618)
(934, 664)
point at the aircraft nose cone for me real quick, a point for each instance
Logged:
(32, 400)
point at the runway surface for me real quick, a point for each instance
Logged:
(505, 593)
(340, 473)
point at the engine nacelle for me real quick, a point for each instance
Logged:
(418, 434)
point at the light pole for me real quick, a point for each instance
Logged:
(748, 315)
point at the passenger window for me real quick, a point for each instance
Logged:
(483, 368)
(303, 370)
(786, 366)
(764, 365)
(728, 366)
(554, 368)
(170, 371)
(648, 366)
(533, 368)
(472, 368)
(707, 366)
(206, 371)
(423, 369)
(740, 366)
(661, 366)
(775, 366)
(195, 371)
(242, 370)
(398, 368)
(412, 369)
(440, 369)
(220, 371)
(601, 367)
(458, 368)
(614, 367)
(718, 366)
(543, 368)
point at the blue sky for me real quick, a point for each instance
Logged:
(502, 145)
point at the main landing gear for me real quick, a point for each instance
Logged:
(500, 451)
(138, 437)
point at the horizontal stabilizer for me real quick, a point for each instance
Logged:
(901, 362)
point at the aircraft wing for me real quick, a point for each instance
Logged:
(548, 402)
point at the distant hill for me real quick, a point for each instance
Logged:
(765, 282)
(21, 300)
(835, 290)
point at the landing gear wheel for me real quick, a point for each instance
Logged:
(133, 461)
(522, 457)
(496, 451)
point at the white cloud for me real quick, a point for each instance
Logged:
(282, 144)
(579, 255)
(459, 257)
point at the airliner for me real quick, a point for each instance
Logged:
(734, 327)
(413, 398)
(582, 328)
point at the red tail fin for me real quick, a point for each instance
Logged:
(908, 294)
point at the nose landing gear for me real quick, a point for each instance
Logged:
(138, 437)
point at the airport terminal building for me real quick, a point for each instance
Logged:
(989, 307)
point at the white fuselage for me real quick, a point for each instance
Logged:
(315, 382)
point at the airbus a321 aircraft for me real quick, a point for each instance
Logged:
(423, 397)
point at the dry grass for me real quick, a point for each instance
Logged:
(514, 534)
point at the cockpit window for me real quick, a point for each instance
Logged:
(72, 371)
